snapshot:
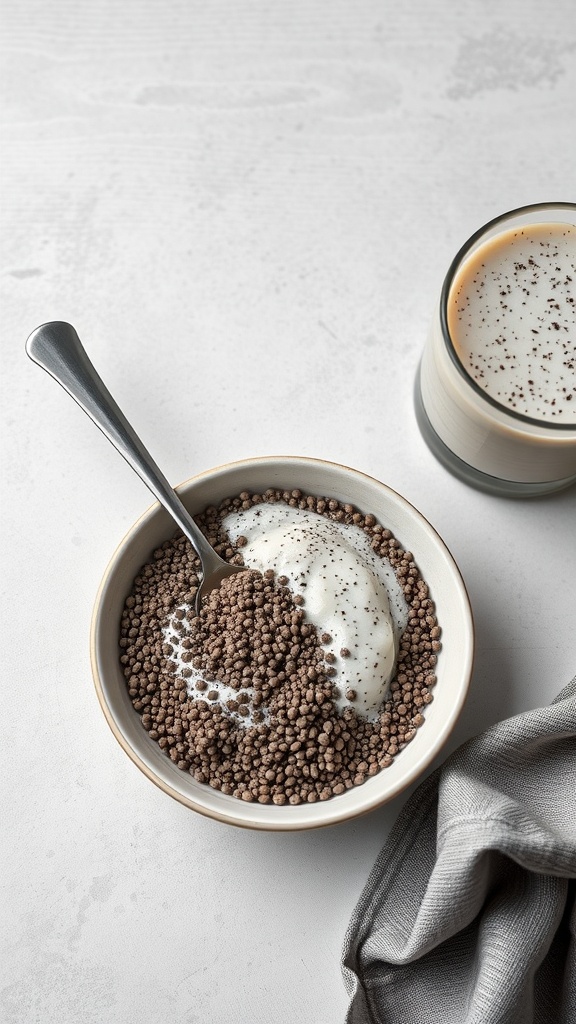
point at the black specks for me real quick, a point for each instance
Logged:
(532, 271)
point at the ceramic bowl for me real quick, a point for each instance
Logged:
(316, 477)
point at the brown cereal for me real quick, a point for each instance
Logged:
(276, 736)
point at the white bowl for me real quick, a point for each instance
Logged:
(436, 566)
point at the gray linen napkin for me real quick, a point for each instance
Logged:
(469, 916)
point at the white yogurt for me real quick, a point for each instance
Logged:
(349, 592)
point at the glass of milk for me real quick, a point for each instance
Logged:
(495, 393)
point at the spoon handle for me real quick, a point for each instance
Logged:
(57, 348)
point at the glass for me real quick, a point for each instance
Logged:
(495, 443)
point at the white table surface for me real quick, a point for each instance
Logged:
(246, 210)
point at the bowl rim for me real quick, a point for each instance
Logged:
(427, 756)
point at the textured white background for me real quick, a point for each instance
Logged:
(246, 209)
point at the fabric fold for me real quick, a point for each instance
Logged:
(468, 914)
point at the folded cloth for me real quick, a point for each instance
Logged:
(469, 915)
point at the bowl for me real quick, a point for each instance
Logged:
(414, 533)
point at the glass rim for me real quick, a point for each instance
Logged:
(444, 295)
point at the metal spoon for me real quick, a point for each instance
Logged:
(57, 349)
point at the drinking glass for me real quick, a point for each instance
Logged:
(482, 441)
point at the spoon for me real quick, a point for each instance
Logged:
(57, 348)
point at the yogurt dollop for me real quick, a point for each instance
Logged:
(349, 592)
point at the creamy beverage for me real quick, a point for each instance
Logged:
(496, 393)
(512, 320)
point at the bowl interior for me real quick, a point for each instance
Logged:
(320, 478)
